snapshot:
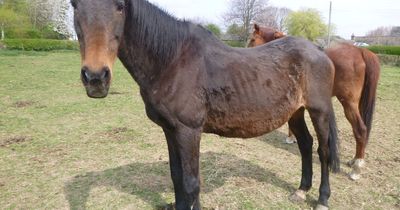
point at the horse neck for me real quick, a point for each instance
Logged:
(152, 39)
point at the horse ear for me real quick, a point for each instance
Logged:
(256, 27)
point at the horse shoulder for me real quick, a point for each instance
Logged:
(178, 95)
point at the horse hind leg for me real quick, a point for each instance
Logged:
(360, 134)
(299, 128)
(323, 119)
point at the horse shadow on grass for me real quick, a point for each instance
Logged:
(149, 180)
(276, 139)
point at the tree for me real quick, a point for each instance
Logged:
(274, 17)
(235, 30)
(36, 19)
(243, 13)
(214, 29)
(13, 16)
(52, 16)
(306, 23)
(8, 18)
(62, 18)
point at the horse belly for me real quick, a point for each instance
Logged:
(253, 113)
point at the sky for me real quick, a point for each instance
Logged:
(349, 16)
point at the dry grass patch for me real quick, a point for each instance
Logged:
(23, 104)
(8, 141)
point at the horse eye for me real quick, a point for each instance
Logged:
(120, 5)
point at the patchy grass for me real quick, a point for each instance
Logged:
(60, 149)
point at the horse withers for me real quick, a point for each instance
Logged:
(191, 83)
(356, 80)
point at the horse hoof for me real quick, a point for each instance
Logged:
(321, 207)
(298, 196)
(356, 172)
(351, 162)
(290, 140)
(354, 176)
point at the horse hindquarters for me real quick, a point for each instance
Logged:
(356, 79)
(360, 114)
(319, 105)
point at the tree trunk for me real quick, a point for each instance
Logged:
(2, 31)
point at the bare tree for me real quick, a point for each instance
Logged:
(273, 17)
(280, 17)
(243, 13)
(40, 13)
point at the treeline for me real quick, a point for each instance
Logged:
(242, 14)
(35, 19)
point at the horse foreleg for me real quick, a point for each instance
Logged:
(360, 134)
(184, 149)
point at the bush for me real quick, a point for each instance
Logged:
(387, 50)
(40, 44)
(49, 33)
(33, 34)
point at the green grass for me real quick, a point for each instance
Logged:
(60, 150)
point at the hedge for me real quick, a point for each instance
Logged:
(387, 50)
(40, 44)
(393, 60)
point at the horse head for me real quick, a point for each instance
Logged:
(99, 25)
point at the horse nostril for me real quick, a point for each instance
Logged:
(84, 74)
(106, 74)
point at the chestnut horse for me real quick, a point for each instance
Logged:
(356, 80)
(262, 35)
(191, 83)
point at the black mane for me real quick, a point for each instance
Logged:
(156, 30)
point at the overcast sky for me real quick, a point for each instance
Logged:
(349, 16)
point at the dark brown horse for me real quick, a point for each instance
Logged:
(356, 81)
(191, 83)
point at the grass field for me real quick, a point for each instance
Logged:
(61, 150)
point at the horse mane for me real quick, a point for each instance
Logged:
(158, 32)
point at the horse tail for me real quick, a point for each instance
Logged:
(368, 96)
(333, 143)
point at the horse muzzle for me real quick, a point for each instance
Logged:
(97, 83)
